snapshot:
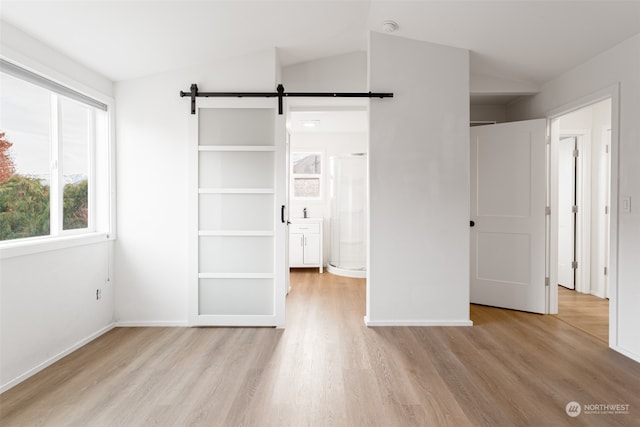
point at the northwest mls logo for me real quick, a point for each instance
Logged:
(573, 409)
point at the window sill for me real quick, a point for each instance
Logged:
(45, 244)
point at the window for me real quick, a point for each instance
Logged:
(306, 175)
(49, 136)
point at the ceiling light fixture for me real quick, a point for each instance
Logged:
(310, 123)
(390, 26)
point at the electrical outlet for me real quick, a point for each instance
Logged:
(98, 294)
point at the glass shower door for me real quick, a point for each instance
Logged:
(348, 210)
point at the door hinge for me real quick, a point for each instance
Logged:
(574, 208)
(547, 210)
(606, 271)
(576, 153)
(574, 265)
(547, 281)
(606, 149)
(606, 210)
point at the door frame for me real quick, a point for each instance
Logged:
(582, 236)
(567, 172)
(612, 92)
(302, 104)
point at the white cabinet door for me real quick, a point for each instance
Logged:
(508, 200)
(305, 243)
(237, 230)
(312, 249)
(296, 250)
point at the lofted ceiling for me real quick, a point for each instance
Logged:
(527, 41)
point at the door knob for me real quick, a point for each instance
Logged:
(472, 223)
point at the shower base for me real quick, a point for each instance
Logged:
(347, 272)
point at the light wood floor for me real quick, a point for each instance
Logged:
(326, 368)
(586, 312)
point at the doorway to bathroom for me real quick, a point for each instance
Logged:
(328, 187)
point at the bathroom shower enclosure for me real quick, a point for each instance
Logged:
(348, 201)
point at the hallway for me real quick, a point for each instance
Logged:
(585, 312)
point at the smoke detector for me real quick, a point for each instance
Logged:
(389, 26)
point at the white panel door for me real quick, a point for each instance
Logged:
(238, 224)
(508, 199)
(566, 216)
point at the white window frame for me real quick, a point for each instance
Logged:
(319, 176)
(101, 175)
(57, 173)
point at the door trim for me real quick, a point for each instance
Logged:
(612, 92)
(582, 237)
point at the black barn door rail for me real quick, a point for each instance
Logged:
(280, 94)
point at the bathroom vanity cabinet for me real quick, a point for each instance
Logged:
(305, 243)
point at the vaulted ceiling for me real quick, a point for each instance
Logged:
(527, 41)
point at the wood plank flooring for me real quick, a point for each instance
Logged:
(327, 369)
(583, 311)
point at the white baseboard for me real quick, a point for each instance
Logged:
(376, 323)
(630, 355)
(151, 324)
(55, 358)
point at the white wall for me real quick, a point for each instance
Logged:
(48, 303)
(483, 113)
(341, 73)
(48, 306)
(37, 56)
(419, 184)
(482, 84)
(329, 144)
(620, 64)
(151, 250)
(486, 89)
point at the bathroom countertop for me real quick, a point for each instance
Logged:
(305, 219)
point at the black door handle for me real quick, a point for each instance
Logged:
(472, 223)
(282, 214)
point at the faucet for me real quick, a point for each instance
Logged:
(304, 212)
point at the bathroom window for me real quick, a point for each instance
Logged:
(306, 175)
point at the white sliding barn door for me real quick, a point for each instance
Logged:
(237, 198)
(508, 200)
